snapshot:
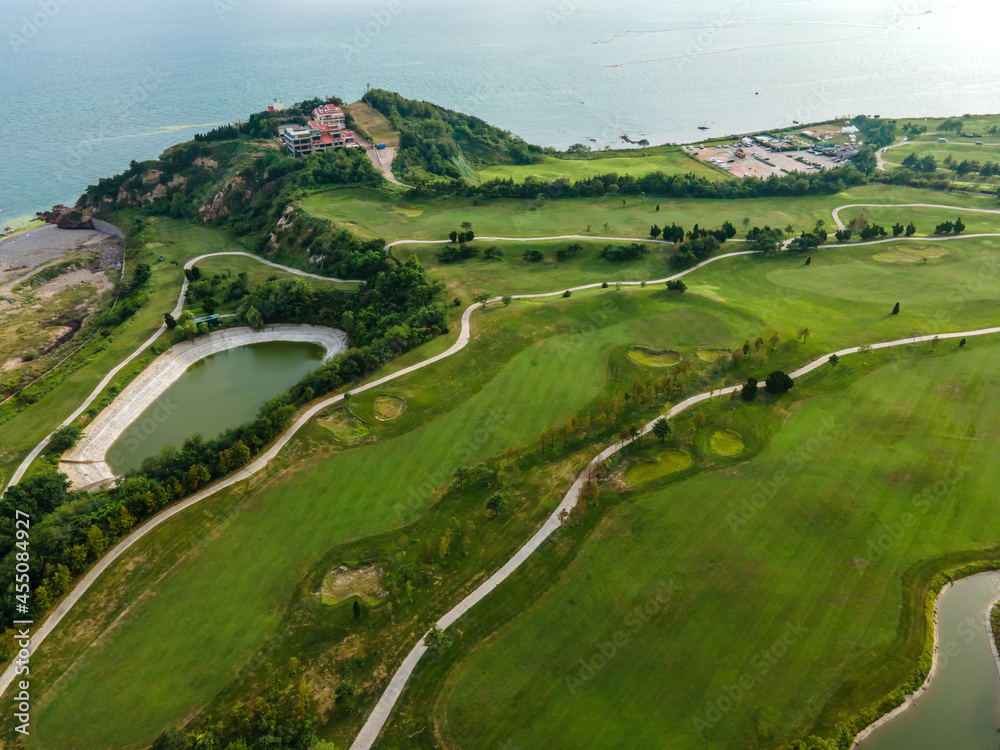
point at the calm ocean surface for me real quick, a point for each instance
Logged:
(88, 85)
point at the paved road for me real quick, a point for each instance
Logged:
(379, 716)
(840, 224)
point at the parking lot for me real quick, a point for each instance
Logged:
(725, 157)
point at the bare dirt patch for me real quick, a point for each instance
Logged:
(72, 278)
(344, 582)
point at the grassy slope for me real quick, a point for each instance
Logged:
(227, 610)
(636, 163)
(370, 214)
(374, 122)
(204, 604)
(805, 557)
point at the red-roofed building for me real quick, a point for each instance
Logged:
(323, 132)
(329, 114)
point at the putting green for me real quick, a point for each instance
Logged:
(389, 407)
(726, 443)
(910, 254)
(668, 462)
(654, 358)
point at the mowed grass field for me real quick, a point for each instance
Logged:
(639, 162)
(370, 214)
(226, 597)
(725, 610)
(196, 599)
(959, 149)
(192, 600)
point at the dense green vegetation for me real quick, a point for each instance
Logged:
(438, 145)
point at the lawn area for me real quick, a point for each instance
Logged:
(972, 124)
(846, 295)
(370, 214)
(687, 598)
(184, 612)
(378, 127)
(959, 149)
(191, 600)
(637, 163)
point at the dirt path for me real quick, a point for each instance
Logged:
(840, 224)
(373, 726)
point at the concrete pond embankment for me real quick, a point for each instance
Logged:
(86, 463)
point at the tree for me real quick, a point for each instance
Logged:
(169, 320)
(910, 229)
(463, 473)
(654, 231)
(506, 300)
(897, 229)
(437, 641)
(453, 236)
(834, 359)
(482, 298)
(533, 255)
(803, 334)
(634, 434)
(749, 390)
(496, 504)
(778, 382)
(676, 285)
(774, 340)
(662, 429)
(961, 343)
(253, 318)
(895, 310)
(63, 439)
